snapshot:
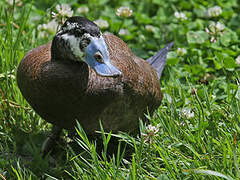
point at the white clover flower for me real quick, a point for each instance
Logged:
(150, 132)
(152, 129)
(64, 10)
(187, 112)
(103, 24)
(214, 11)
(124, 12)
(216, 27)
(150, 28)
(82, 10)
(52, 26)
(220, 26)
(49, 28)
(238, 60)
(181, 51)
(123, 32)
(180, 15)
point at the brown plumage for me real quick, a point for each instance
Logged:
(62, 92)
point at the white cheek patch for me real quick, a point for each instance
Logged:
(74, 45)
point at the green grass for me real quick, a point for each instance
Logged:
(205, 80)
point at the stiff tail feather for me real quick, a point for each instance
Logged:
(159, 59)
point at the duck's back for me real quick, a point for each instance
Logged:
(63, 92)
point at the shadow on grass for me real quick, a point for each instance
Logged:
(23, 154)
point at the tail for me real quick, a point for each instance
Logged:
(159, 59)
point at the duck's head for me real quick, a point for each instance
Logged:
(79, 39)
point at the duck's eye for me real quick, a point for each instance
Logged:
(98, 56)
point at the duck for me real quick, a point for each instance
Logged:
(85, 76)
